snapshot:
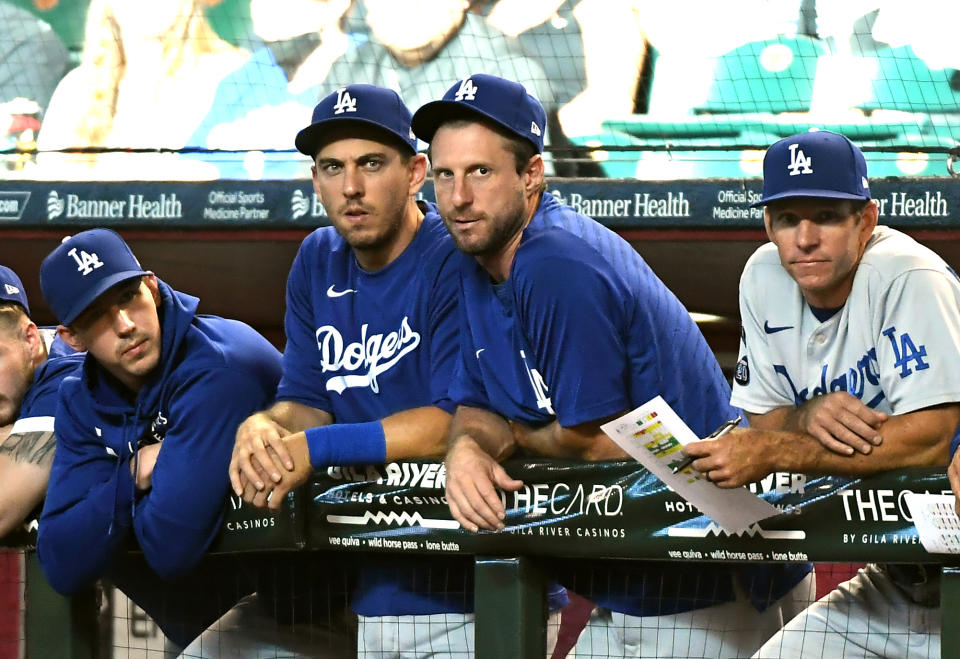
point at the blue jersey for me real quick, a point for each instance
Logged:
(582, 330)
(365, 345)
(212, 374)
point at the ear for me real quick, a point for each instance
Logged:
(418, 173)
(151, 283)
(533, 175)
(72, 339)
(31, 335)
(766, 224)
(871, 215)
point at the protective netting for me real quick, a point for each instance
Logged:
(631, 87)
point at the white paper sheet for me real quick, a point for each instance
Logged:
(654, 435)
(936, 520)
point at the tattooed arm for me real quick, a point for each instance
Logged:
(25, 459)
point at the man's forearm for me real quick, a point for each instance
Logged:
(489, 431)
(583, 442)
(917, 439)
(297, 417)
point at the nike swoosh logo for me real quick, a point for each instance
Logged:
(479, 351)
(774, 330)
(333, 293)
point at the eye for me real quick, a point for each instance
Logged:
(372, 164)
(330, 168)
(483, 171)
(829, 217)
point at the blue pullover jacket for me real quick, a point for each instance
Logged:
(212, 374)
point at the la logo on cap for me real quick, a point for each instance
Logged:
(799, 163)
(345, 102)
(467, 90)
(86, 262)
(10, 289)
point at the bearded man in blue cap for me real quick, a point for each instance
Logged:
(565, 327)
(145, 431)
(848, 366)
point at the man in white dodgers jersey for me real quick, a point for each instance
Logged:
(33, 361)
(371, 326)
(848, 365)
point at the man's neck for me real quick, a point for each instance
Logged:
(498, 265)
(379, 258)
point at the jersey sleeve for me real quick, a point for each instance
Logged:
(573, 315)
(302, 374)
(88, 508)
(177, 519)
(756, 388)
(444, 318)
(918, 348)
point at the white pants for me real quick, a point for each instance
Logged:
(867, 616)
(731, 629)
(244, 632)
(438, 636)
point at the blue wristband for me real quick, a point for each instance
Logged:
(347, 444)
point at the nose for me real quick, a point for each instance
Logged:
(462, 194)
(808, 234)
(122, 322)
(352, 182)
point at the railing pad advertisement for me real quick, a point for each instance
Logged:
(615, 509)
(622, 203)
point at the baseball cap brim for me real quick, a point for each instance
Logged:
(313, 137)
(806, 192)
(102, 287)
(430, 116)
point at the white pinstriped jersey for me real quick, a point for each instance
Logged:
(895, 344)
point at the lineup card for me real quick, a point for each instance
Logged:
(936, 520)
(654, 435)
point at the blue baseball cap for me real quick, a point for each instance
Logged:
(504, 102)
(366, 104)
(814, 164)
(11, 288)
(82, 268)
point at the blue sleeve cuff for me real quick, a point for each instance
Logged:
(347, 444)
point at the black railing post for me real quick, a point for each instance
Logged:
(511, 610)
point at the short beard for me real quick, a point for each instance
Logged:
(500, 236)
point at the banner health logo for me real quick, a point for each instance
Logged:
(12, 204)
(299, 204)
(55, 205)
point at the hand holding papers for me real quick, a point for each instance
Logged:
(654, 435)
(719, 432)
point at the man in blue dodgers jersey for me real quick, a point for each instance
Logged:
(371, 327)
(565, 326)
(848, 365)
(144, 433)
(32, 364)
